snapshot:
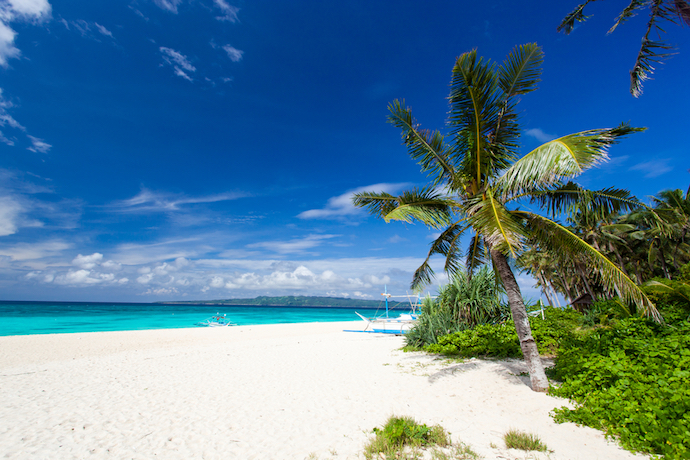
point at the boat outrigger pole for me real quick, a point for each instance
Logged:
(386, 295)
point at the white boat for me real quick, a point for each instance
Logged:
(217, 320)
(387, 324)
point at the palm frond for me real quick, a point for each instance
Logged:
(683, 10)
(577, 15)
(628, 12)
(563, 241)
(473, 114)
(446, 245)
(651, 51)
(425, 147)
(560, 159)
(426, 205)
(521, 70)
(490, 218)
(569, 197)
(476, 254)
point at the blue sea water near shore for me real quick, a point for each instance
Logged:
(27, 318)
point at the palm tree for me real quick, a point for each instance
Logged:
(478, 180)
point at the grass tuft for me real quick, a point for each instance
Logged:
(404, 432)
(515, 439)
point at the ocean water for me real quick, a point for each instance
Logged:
(27, 318)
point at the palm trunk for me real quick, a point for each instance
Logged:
(521, 320)
(545, 289)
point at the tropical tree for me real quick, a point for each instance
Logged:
(478, 181)
(652, 51)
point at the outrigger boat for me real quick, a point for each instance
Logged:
(392, 324)
(216, 321)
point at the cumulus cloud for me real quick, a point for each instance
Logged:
(341, 206)
(88, 262)
(168, 5)
(540, 135)
(77, 278)
(234, 54)
(292, 246)
(178, 61)
(228, 12)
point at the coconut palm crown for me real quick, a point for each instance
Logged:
(479, 181)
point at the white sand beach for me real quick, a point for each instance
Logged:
(259, 392)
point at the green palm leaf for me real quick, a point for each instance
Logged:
(570, 197)
(426, 205)
(560, 239)
(425, 147)
(446, 245)
(490, 218)
(560, 159)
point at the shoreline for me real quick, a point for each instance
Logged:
(279, 391)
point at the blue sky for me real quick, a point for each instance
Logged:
(201, 149)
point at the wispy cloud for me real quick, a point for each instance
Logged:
(38, 145)
(234, 54)
(654, 168)
(339, 207)
(21, 11)
(297, 245)
(228, 12)
(168, 5)
(540, 135)
(148, 201)
(178, 61)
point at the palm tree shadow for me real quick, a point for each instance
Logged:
(513, 370)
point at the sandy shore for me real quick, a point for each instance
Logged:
(258, 392)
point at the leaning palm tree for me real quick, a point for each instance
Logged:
(478, 180)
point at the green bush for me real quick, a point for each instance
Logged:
(630, 380)
(399, 432)
(501, 341)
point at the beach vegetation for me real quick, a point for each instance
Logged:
(516, 439)
(399, 433)
(466, 301)
(479, 181)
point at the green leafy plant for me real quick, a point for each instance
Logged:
(515, 439)
(630, 379)
(399, 432)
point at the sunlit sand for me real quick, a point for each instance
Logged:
(254, 392)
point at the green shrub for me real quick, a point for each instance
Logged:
(630, 380)
(501, 341)
(399, 432)
(464, 302)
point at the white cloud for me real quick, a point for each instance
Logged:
(234, 54)
(77, 278)
(178, 61)
(145, 279)
(148, 201)
(292, 246)
(26, 251)
(5, 118)
(654, 168)
(341, 206)
(170, 5)
(88, 262)
(18, 10)
(103, 30)
(10, 212)
(38, 146)
(229, 12)
(540, 135)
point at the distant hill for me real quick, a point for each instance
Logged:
(292, 301)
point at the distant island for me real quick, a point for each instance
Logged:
(292, 301)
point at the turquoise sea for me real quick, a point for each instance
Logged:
(26, 318)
